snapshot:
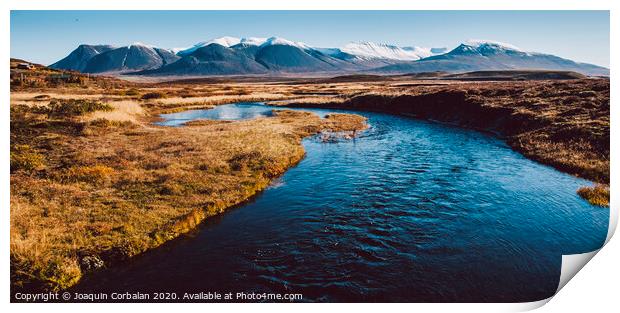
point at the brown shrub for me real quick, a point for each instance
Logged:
(75, 107)
(153, 95)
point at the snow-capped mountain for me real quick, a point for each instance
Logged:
(490, 45)
(278, 41)
(476, 55)
(212, 59)
(249, 56)
(77, 60)
(253, 41)
(361, 49)
(228, 41)
(130, 58)
(256, 55)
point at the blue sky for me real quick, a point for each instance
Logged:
(47, 36)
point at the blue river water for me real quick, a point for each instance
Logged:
(409, 211)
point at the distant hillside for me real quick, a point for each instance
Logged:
(279, 56)
(107, 59)
(357, 78)
(516, 75)
(78, 59)
(213, 59)
(482, 56)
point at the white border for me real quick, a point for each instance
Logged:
(599, 290)
(309, 5)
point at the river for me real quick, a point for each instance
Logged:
(410, 211)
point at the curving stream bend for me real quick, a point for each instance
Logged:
(410, 211)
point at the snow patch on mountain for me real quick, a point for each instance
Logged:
(228, 41)
(148, 49)
(328, 51)
(254, 41)
(371, 50)
(477, 43)
(140, 44)
(285, 42)
(225, 41)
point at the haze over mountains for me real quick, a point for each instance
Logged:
(279, 56)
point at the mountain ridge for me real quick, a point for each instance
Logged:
(257, 55)
(478, 56)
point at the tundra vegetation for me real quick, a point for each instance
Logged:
(597, 194)
(94, 181)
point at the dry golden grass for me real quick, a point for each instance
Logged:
(30, 98)
(177, 103)
(106, 190)
(597, 194)
(219, 99)
(308, 100)
(344, 122)
(124, 111)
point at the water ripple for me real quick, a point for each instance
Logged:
(409, 211)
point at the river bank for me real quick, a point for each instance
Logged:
(87, 192)
(93, 181)
(432, 200)
(561, 124)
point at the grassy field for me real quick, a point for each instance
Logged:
(94, 181)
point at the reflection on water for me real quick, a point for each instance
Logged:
(410, 211)
(236, 111)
